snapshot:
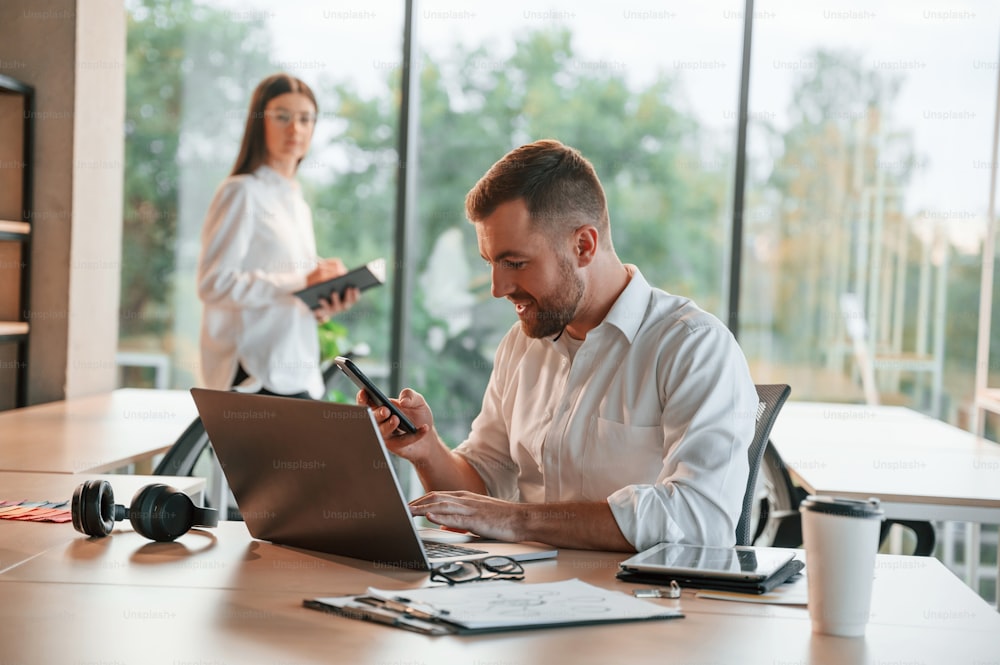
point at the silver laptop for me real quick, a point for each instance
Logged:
(317, 475)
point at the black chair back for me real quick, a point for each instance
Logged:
(772, 397)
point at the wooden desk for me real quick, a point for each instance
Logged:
(94, 434)
(230, 599)
(21, 541)
(54, 623)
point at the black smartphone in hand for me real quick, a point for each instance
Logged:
(375, 396)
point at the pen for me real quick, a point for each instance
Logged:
(407, 606)
(403, 605)
(367, 612)
(370, 613)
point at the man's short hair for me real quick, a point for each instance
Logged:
(559, 186)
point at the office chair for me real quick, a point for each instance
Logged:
(771, 398)
(779, 523)
(780, 518)
(182, 456)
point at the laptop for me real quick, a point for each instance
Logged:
(317, 475)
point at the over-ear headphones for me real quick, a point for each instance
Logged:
(158, 512)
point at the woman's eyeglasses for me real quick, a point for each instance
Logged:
(490, 568)
(284, 118)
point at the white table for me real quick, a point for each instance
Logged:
(919, 467)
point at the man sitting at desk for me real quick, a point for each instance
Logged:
(617, 415)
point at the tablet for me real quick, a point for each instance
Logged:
(363, 277)
(744, 563)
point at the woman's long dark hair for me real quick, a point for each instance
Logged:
(253, 149)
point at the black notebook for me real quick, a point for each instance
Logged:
(363, 277)
(742, 568)
(780, 576)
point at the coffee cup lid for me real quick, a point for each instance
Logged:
(846, 507)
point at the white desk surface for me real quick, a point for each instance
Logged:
(94, 434)
(22, 540)
(227, 598)
(921, 468)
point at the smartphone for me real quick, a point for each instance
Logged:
(375, 396)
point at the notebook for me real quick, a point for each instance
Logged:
(744, 569)
(362, 278)
(317, 475)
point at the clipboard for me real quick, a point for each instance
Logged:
(363, 277)
(494, 606)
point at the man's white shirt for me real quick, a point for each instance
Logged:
(653, 412)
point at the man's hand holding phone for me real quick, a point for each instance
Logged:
(372, 397)
(388, 417)
(406, 424)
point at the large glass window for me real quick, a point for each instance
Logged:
(868, 181)
(868, 162)
(648, 94)
(867, 173)
(192, 66)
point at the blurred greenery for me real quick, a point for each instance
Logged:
(825, 168)
(174, 47)
(332, 339)
(667, 190)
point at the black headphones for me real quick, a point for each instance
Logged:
(158, 512)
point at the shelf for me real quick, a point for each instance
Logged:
(17, 126)
(10, 85)
(13, 330)
(14, 230)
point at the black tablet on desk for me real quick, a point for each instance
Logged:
(363, 277)
(735, 563)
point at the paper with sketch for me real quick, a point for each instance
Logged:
(504, 604)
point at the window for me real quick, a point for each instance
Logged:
(868, 182)
(191, 69)
(648, 95)
(867, 168)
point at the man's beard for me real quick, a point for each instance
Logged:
(554, 311)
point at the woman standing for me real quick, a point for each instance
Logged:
(258, 248)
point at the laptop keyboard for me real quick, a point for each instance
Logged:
(436, 550)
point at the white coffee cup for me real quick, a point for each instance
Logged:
(841, 539)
